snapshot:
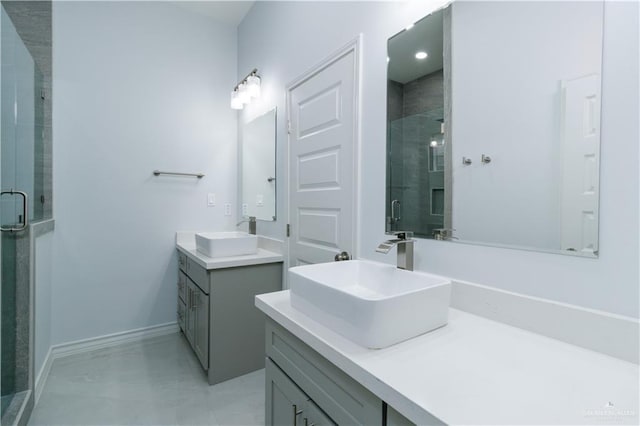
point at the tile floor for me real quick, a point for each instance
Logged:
(154, 382)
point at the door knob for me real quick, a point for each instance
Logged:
(342, 256)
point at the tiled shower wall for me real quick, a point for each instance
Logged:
(415, 110)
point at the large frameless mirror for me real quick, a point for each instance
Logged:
(258, 165)
(493, 136)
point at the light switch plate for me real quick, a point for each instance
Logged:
(211, 199)
(227, 209)
(245, 209)
(259, 200)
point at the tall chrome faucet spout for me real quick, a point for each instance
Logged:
(252, 224)
(386, 246)
(404, 243)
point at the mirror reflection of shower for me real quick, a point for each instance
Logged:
(416, 130)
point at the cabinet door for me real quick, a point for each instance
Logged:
(182, 285)
(314, 416)
(181, 314)
(190, 317)
(396, 419)
(201, 335)
(182, 261)
(285, 401)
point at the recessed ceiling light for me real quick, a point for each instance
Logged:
(421, 55)
(409, 27)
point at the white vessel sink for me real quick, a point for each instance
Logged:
(372, 304)
(223, 244)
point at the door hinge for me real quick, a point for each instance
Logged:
(288, 127)
(288, 230)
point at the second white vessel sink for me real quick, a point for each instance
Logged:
(223, 244)
(372, 304)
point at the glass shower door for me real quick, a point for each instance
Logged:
(415, 174)
(20, 138)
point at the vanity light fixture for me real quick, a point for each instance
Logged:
(421, 55)
(253, 86)
(246, 90)
(243, 93)
(236, 103)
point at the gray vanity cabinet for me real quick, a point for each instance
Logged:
(288, 404)
(220, 320)
(332, 397)
(304, 388)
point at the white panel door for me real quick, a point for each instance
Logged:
(322, 161)
(580, 164)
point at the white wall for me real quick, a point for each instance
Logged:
(137, 86)
(285, 39)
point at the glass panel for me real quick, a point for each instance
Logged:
(416, 173)
(21, 143)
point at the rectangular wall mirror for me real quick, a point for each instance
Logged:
(493, 125)
(258, 164)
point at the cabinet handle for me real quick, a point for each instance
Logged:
(296, 413)
(306, 422)
(194, 301)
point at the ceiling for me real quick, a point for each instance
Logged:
(228, 12)
(425, 36)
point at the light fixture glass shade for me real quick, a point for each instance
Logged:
(236, 103)
(253, 86)
(243, 93)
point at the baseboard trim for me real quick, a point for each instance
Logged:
(115, 339)
(95, 343)
(41, 380)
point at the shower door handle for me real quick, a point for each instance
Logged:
(395, 217)
(25, 211)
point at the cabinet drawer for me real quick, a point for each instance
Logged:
(182, 261)
(343, 399)
(198, 275)
(181, 313)
(182, 286)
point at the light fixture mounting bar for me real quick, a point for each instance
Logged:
(254, 72)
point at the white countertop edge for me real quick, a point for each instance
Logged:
(375, 369)
(261, 257)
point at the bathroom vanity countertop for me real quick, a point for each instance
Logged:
(478, 371)
(185, 242)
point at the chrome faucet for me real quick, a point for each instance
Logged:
(405, 248)
(252, 224)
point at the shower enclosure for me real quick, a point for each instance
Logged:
(415, 175)
(22, 200)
